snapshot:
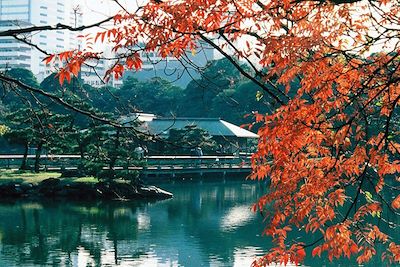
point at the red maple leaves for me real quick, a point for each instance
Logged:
(331, 148)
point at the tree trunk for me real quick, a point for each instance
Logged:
(37, 157)
(24, 165)
(81, 153)
(81, 149)
(114, 156)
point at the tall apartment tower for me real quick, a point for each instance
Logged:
(25, 13)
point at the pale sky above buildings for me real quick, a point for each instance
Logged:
(96, 10)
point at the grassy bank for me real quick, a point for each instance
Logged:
(13, 176)
(24, 184)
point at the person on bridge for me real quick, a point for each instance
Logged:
(199, 152)
(139, 152)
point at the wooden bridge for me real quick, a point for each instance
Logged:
(153, 166)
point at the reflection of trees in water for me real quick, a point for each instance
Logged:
(203, 199)
(34, 231)
(200, 208)
(54, 232)
(189, 225)
(39, 246)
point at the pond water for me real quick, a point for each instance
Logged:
(205, 224)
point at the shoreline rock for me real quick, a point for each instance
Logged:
(54, 188)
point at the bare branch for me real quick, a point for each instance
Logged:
(63, 102)
(59, 26)
(241, 70)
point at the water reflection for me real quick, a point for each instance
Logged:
(204, 224)
(236, 217)
(184, 231)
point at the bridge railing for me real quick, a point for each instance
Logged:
(70, 161)
(46, 161)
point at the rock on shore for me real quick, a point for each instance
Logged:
(54, 187)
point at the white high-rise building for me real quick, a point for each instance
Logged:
(14, 54)
(25, 13)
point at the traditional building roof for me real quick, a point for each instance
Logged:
(214, 126)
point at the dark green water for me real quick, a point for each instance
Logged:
(205, 224)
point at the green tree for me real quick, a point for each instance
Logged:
(3, 129)
(51, 84)
(103, 147)
(24, 75)
(14, 97)
(38, 128)
(197, 99)
(156, 95)
(21, 132)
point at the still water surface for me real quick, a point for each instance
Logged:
(205, 224)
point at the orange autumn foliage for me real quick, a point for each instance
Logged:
(330, 149)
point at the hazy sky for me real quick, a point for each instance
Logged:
(95, 10)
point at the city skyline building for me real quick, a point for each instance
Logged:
(25, 13)
(16, 14)
(178, 71)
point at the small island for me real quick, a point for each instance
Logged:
(23, 184)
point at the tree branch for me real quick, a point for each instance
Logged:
(59, 26)
(25, 41)
(63, 102)
(241, 70)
